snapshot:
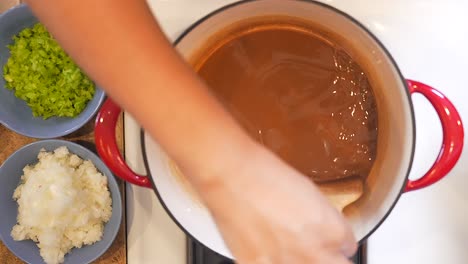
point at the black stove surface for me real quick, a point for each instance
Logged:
(199, 254)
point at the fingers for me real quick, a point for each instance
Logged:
(344, 236)
(336, 259)
(317, 256)
(349, 249)
(349, 245)
(341, 238)
(341, 260)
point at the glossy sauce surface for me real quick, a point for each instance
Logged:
(300, 95)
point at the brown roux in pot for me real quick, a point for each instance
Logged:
(300, 95)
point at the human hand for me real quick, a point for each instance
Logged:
(270, 213)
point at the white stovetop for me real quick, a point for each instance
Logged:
(429, 40)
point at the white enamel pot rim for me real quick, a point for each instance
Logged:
(396, 141)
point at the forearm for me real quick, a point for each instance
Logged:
(119, 44)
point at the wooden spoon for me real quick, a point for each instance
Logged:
(342, 193)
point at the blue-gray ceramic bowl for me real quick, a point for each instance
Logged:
(10, 174)
(15, 114)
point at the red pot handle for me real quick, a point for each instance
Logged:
(106, 144)
(453, 136)
(452, 145)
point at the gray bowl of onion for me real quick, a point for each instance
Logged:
(77, 193)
